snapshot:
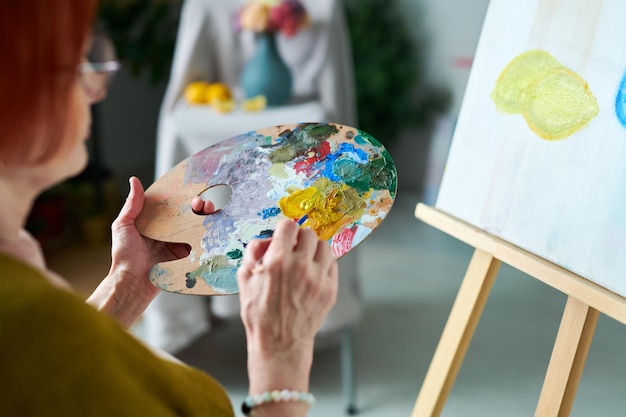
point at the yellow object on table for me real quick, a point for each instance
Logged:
(195, 92)
(256, 103)
(222, 106)
(220, 98)
(217, 91)
(201, 92)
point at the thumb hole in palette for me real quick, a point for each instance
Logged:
(220, 195)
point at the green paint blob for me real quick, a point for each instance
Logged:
(190, 281)
(378, 174)
(375, 175)
(234, 254)
(358, 139)
(298, 141)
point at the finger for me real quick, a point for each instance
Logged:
(257, 248)
(333, 270)
(323, 253)
(208, 207)
(133, 204)
(284, 238)
(254, 252)
(197, 204)
(307, 243)
(333, 274)
(200, 206)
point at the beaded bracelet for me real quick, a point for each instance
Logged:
(252, 401)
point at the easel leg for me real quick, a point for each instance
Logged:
(457, 334)
(568, 359)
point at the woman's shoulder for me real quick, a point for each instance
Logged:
(76, 359)
(28, 294)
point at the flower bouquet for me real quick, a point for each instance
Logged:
(271, 16)
(266, 74)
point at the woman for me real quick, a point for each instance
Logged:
(61, 356)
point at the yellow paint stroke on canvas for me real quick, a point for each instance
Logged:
(554, 100)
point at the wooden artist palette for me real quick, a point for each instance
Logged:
(334, 179)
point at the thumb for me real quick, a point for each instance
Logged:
(133, 204)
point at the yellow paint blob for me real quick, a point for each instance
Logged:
(327, 206)
(555, 101)
(517, 76)
(278, 171)
(558, 104)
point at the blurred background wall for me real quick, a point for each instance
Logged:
(445, 33)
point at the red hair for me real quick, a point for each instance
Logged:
(41, 42)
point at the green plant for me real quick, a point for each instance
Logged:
(144, 33)
(391, 90)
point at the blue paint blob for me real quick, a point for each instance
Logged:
(620, 102)
(343, 165)
(269, 212)
(358, 155)
(157, 275)
(265, 234)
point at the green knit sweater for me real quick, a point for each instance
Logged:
(61, 357)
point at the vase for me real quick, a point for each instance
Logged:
(266, 73)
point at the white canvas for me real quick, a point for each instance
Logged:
(564, 200)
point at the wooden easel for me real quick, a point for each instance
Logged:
(584, 303)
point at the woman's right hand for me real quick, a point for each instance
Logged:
(287, 285)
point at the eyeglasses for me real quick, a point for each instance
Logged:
(99, 67)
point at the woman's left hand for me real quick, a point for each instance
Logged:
(126, 291)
